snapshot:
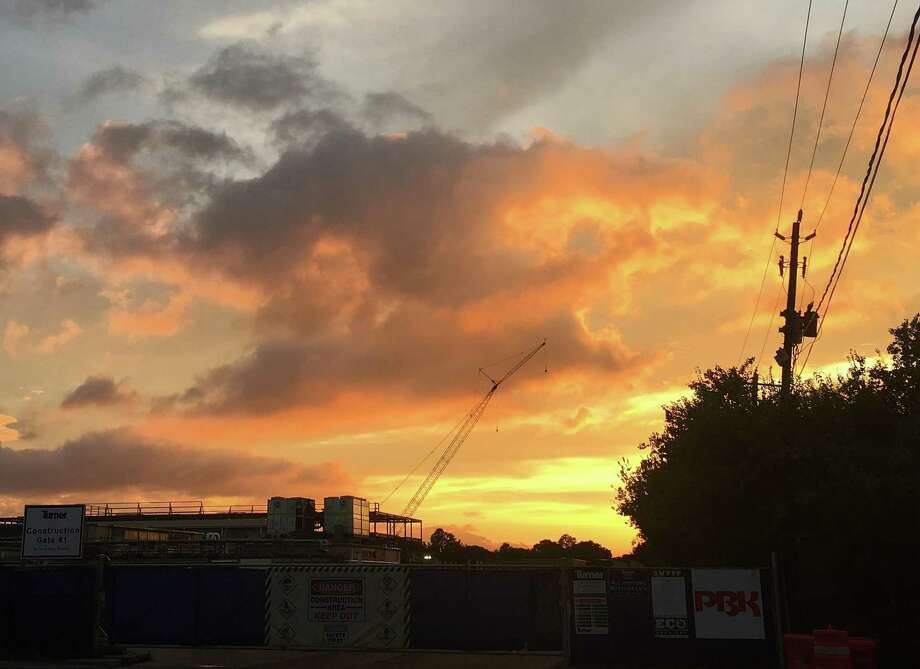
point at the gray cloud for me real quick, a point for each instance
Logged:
(305, 125)
(120, 460)
(97, 391)
(23, 128)
(21, 217)
(396, 200)
(382, 109)
(113, 80)
(174, 162)
(47, 10)
(416, 215)
(410, 354)
(529, 50)
(122, 141)
(246, 76)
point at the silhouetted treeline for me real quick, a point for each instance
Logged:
(446, 547)
(829, 479)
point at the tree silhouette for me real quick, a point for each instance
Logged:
(828, 479)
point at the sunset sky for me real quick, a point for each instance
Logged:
(253, 249)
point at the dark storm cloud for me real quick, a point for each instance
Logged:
(122, 141)
(412, 354)
(299, 126)
(383, 108)
(120, 459)
(97, 391)
(113, 80)
(21, 217)
(246, 76)
(408, 206)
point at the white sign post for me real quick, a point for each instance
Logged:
(53, 531)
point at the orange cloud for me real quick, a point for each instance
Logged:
(151, 318)
(16, 338)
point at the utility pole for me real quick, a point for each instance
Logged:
(794, 325)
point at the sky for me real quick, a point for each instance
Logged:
(257, 249)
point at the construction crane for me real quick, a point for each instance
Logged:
(462, 432)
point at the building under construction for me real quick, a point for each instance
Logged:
(345, 529)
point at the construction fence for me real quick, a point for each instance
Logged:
(591, 614)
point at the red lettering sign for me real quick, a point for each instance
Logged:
(728, 602)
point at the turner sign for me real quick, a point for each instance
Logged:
(53, 531)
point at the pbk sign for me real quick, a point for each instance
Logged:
(53, 531)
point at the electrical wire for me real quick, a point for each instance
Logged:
(827, 91)
(871, 174)
(763, 280)
(814, 150)
(862, 102)
(766, 336)
(873, 164)
(782, 192)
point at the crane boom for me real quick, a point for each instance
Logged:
(463, 431)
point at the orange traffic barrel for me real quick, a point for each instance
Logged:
(862, 653)
(832, 649)
(799, 650)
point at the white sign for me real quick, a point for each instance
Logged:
(589, 590)
(728, 604)
(53, 531)
(346, 606)
(669, 605)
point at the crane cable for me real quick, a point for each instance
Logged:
(422, 461)
(878, 152)
(782, 193)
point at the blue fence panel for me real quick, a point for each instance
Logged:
(156, 604)
(545, 610)
(52, 612)
(499, 613)
(439, 609)
(231, 605)
(485, 609)
(5, 604)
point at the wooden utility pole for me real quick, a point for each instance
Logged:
(792, 329)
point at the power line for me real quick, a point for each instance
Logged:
(763, 280)
(795, 110)
(766, 335)
(868, 183)
(862, 102)
(827, 91)
(872, 161)
(814, 150)
(782, 192)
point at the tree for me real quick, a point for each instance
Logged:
(445, 545)
(567, 541)
(589, 550)
(548, 549)
(828, 479)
